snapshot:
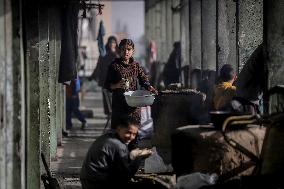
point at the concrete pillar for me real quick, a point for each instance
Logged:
(18, 97)
(52, 19)
(147, 21)
(3, 61)
(63, 107)
(176, 22)
(250, 28)
(185, 40)
(157, 30)
(60, 120)
(44, 107)
(226, 33)
(152, 22)
(274, 44)
(208, 34)
(11, 97)
(274, 47)
(150, 26)
(195, 34)
(2, 91)
(163, 31)
(169, 25)
(12, 125)
(32, 95)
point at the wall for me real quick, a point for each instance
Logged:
(250, 28)
(44, 95)
(185, 41)
(226, 33)
(30, 97)
(195, 33)
(274, 48)
(12, 103)
(212, 32)
(208, 44)
(273, 152)
(162, 25)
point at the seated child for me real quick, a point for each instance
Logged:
(225, 90)
(108, 162)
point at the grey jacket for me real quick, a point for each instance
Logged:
(107, 162)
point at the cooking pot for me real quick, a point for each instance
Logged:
(218, 117)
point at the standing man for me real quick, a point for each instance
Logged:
(73, 103)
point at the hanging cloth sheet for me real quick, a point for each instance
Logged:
(69, 42)
(100, 39)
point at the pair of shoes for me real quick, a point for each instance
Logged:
(83, 126)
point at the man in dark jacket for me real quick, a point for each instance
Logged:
(108, 161)
(100, 73)
(251, 81)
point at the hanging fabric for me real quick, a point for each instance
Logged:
(69, 42)
(100, 39)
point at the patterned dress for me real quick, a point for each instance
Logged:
(135, 74)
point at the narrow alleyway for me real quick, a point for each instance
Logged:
(183, 46)
(71, 154)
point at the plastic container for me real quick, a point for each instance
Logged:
(139, 98)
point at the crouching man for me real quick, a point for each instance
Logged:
(108, 162)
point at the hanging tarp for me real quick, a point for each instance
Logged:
(69, 42)
(100, 39)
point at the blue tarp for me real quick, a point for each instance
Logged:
(100, 39)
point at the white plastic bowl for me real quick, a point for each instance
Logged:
(139, 98)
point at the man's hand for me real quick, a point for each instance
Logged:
(140, 153)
